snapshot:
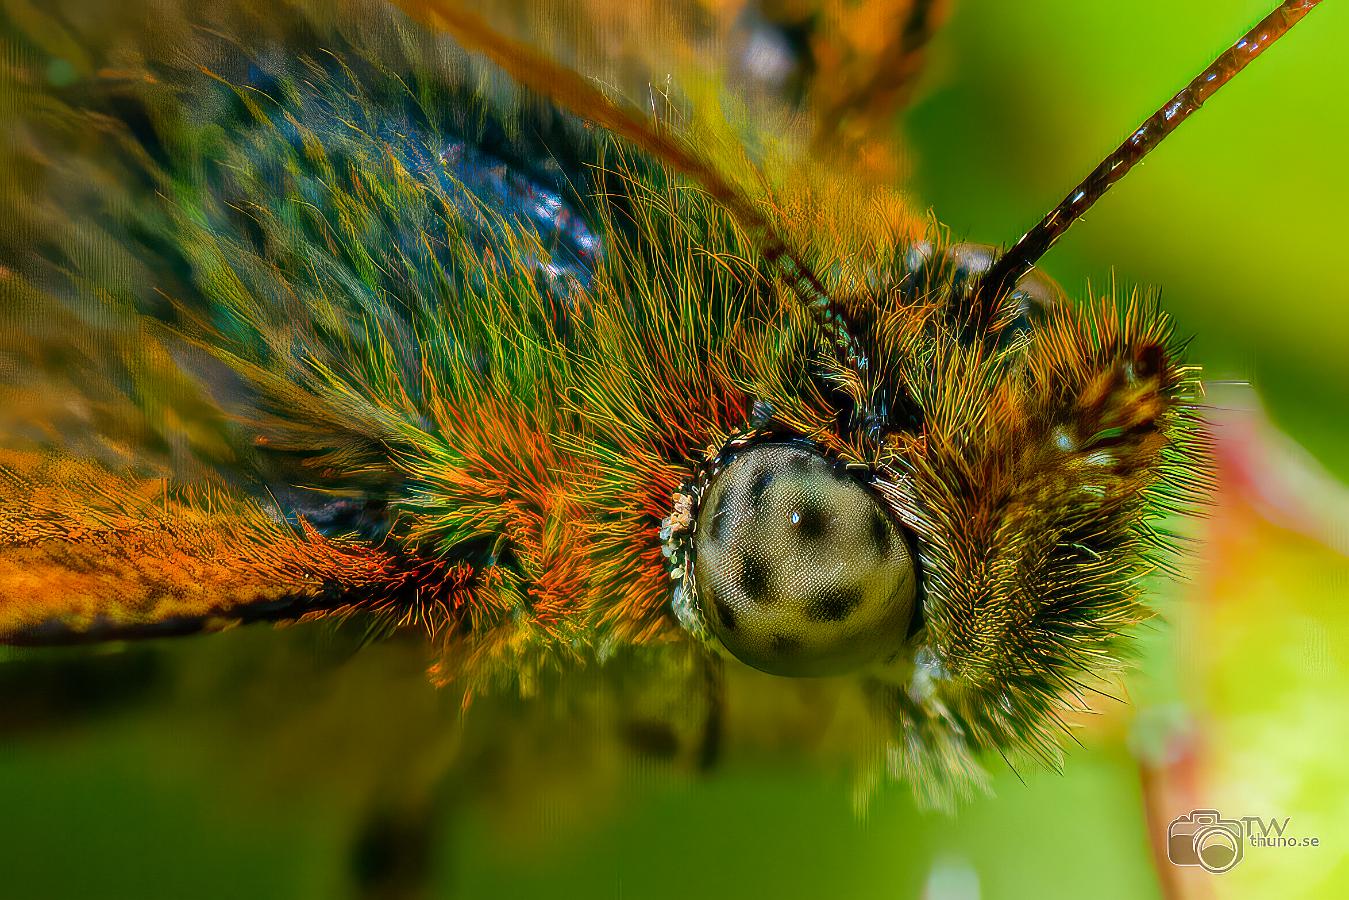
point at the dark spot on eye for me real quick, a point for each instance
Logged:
(721, 519)
(759, 486)
(725, 614)
(782, 645)
(799, 464)
(754, 578)
(810, 521)
(880, 532)
(833, 605)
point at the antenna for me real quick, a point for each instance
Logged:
(1025, 253)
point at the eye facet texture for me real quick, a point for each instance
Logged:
(799, 569)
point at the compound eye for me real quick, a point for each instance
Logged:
(798, 567)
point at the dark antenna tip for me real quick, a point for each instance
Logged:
(1025, 253)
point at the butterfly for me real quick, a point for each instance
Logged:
(467, 321)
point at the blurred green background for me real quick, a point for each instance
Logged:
(1239, 217)
(181, 791)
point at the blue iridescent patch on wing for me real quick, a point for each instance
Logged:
(513, 193)
(489, 178)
